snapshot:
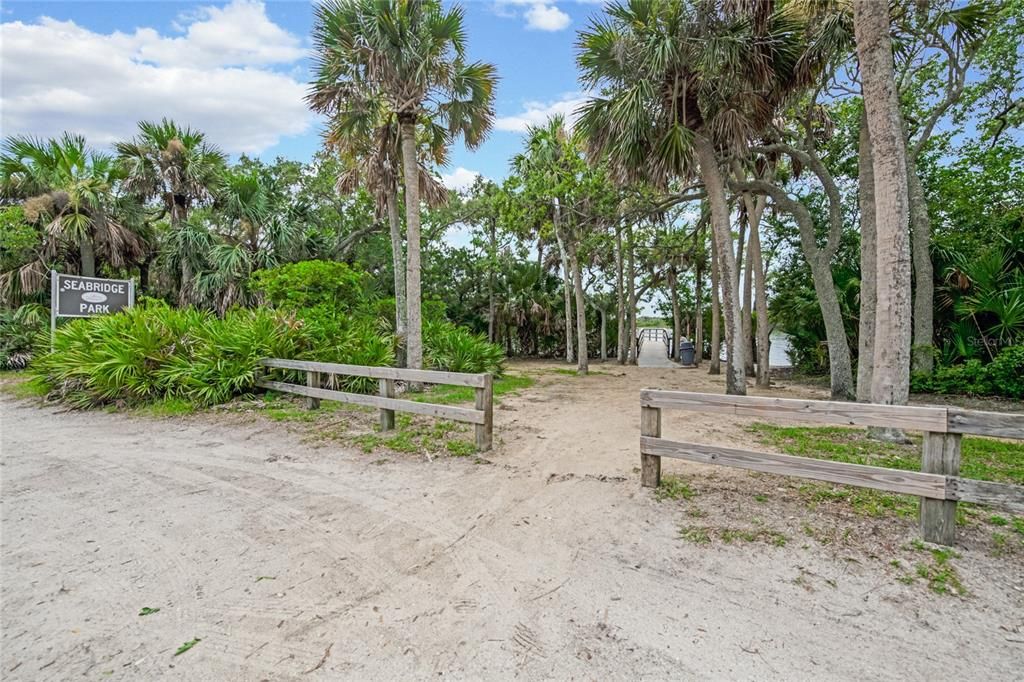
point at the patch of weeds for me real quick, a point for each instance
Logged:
(696, 513)
(460, 448)
(697, 534)
(369, 442)
(149, 611)
(288, 412)
(187, 645)
(1018, 525)
(939, 572)
(761, 498)
(673, 488)
(999, 544)
(997, 520)
(378, 462)
(704, 534)
(402, 441)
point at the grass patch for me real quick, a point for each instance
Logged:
(981, 458)
(22, 386)
(454, 395)
(673, 488)
(167, 407)
(940, 574)
(705, 534)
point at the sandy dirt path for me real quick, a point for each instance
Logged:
(290, 561)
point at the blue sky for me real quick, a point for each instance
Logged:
(238, 70)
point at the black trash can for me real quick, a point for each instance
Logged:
(686, 352)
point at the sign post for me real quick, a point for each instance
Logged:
(75, 296)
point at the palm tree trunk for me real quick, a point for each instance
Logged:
(735, 378)
(715, 366)
(698, 323)
(567, 285)
(412, 226)
(620, 300)
(890, 382)
(923, 355)
(398, 264)
(868, 256)
(87, 256)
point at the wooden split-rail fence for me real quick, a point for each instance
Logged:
(317, 373)
(938, 484)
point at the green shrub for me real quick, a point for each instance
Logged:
(152, 352)
(1006, 372)
(1004, 376)
(18, 330)
(313, 284)
(455, 349)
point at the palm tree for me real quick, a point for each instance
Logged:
(408, 55)
(544, 166)
(681, 80)
(70, 190)
(368, 142)
(175, 166)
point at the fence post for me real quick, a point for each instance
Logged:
(940, 455)
(650, 465)
(387, 417)
(313, 381)
(485, 402)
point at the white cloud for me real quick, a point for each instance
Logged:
(460, 179)
(216, 77)
(537, 113)
(544, 17)
(541, 15)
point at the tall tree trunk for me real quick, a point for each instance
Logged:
(87, 255)
(715, 365)
(735, 378)
(567, 285)
(923, 349)
(698, 323)
(868, 257)
(631, 283)
(677, 323)
(604, 334)
(620, 300)
(582, 352)
(492, 257)
(748, 295)
(890, 383)
(414, 330)
(398, 264)
(755, 260)
(178, 215)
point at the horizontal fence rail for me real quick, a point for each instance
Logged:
(938, 484)
(481, 415)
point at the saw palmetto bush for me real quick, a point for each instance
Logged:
(154, 351)
(456, 349)
(18, 329)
